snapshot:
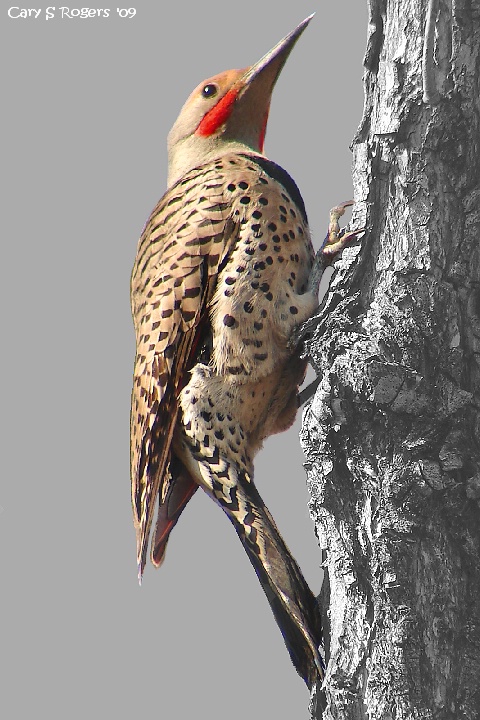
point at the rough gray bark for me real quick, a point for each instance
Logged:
(391, 436)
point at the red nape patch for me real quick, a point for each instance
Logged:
(217, 115)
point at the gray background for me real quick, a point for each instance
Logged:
(87, 105)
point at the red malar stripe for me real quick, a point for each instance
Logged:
(263, 132)
(218, 115)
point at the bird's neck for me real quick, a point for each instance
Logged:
(193, 152)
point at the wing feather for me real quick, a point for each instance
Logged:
(187, 238)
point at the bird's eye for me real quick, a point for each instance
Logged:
(209, 90)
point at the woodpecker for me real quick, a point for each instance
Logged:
(224, 273)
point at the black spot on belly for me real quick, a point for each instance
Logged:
(229, 321)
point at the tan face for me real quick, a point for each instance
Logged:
(208, 107)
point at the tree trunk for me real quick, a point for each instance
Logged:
(391, 436)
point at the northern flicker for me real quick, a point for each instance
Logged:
(221, 279)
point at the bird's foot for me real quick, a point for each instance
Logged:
(335, 241)
(336, 238)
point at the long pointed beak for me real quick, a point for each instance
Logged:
(253, 93)
(271, 64)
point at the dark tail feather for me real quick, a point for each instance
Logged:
(293, 604)
(181, 489)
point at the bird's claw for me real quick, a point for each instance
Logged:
(334, 243)
(337, 239)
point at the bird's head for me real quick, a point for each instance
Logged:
(227, 112)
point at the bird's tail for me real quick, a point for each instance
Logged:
(293, 604)
(179, 489)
